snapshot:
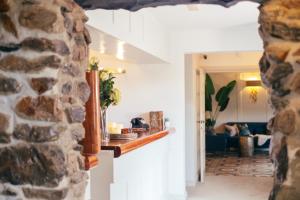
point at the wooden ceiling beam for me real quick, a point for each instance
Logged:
(134, 5)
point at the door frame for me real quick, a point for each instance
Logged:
(191, 68)
(200, 122)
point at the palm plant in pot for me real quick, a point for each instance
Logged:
(222, 100)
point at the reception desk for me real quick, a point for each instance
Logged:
(132, 170)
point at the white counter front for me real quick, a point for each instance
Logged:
(141, 174)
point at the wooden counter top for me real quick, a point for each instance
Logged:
(121, 147)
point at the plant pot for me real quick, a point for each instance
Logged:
(210, 130)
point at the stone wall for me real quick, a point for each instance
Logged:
(43, 57)
(280, 30)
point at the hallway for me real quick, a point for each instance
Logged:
(232, 188)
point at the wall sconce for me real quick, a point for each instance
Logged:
(253, 85)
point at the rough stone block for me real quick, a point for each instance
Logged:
(8, 24)
(72, 70)
(79, 177)
(295, 85)
(41, 165)
(4, 138)
(38, 133)
(72, 163)
(16, 63)
(9, 85)
(44, 44)
(4, 7)
(281, 22)
(83, 91)
(79, 190)
(42, 85)
(278, 52)
(87, 36)
(78, 26)
(285, 122)
(80, 49)
(66, 88)
(42, 108)
(279, 103)
(76, 114)
(283, 31)
(291, 4)
(36, 17)
(4, 122)
(45, 194)
(77, 132)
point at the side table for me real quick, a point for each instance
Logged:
(246, 146)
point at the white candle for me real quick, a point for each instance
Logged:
(111, 127)
(115, 128)
(119, 128)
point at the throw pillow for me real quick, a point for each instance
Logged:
(233, 130)
(244, 130)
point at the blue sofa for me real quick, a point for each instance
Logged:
(216, 143)
(221, 142)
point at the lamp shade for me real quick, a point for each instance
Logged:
(253, 83)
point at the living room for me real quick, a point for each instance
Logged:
(237, 112)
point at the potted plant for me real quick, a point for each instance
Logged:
(109, 95)
(222, 98)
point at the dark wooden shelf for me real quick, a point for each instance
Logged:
(121, 147)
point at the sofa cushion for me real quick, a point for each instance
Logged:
(244, 130)
(254, 127)
(232, 129)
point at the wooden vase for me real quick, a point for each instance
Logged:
(92, 140)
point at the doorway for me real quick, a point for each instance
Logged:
(229, 167)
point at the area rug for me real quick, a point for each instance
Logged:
(231, 164)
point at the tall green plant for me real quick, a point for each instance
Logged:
(222, 98)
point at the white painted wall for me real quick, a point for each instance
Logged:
(148, 88)
(138, 175)
(240, 107)
(144, 88)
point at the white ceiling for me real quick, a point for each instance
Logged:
(230, 61)
(106, 44)
(207, 16)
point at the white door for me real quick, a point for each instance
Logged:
(200, 123)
